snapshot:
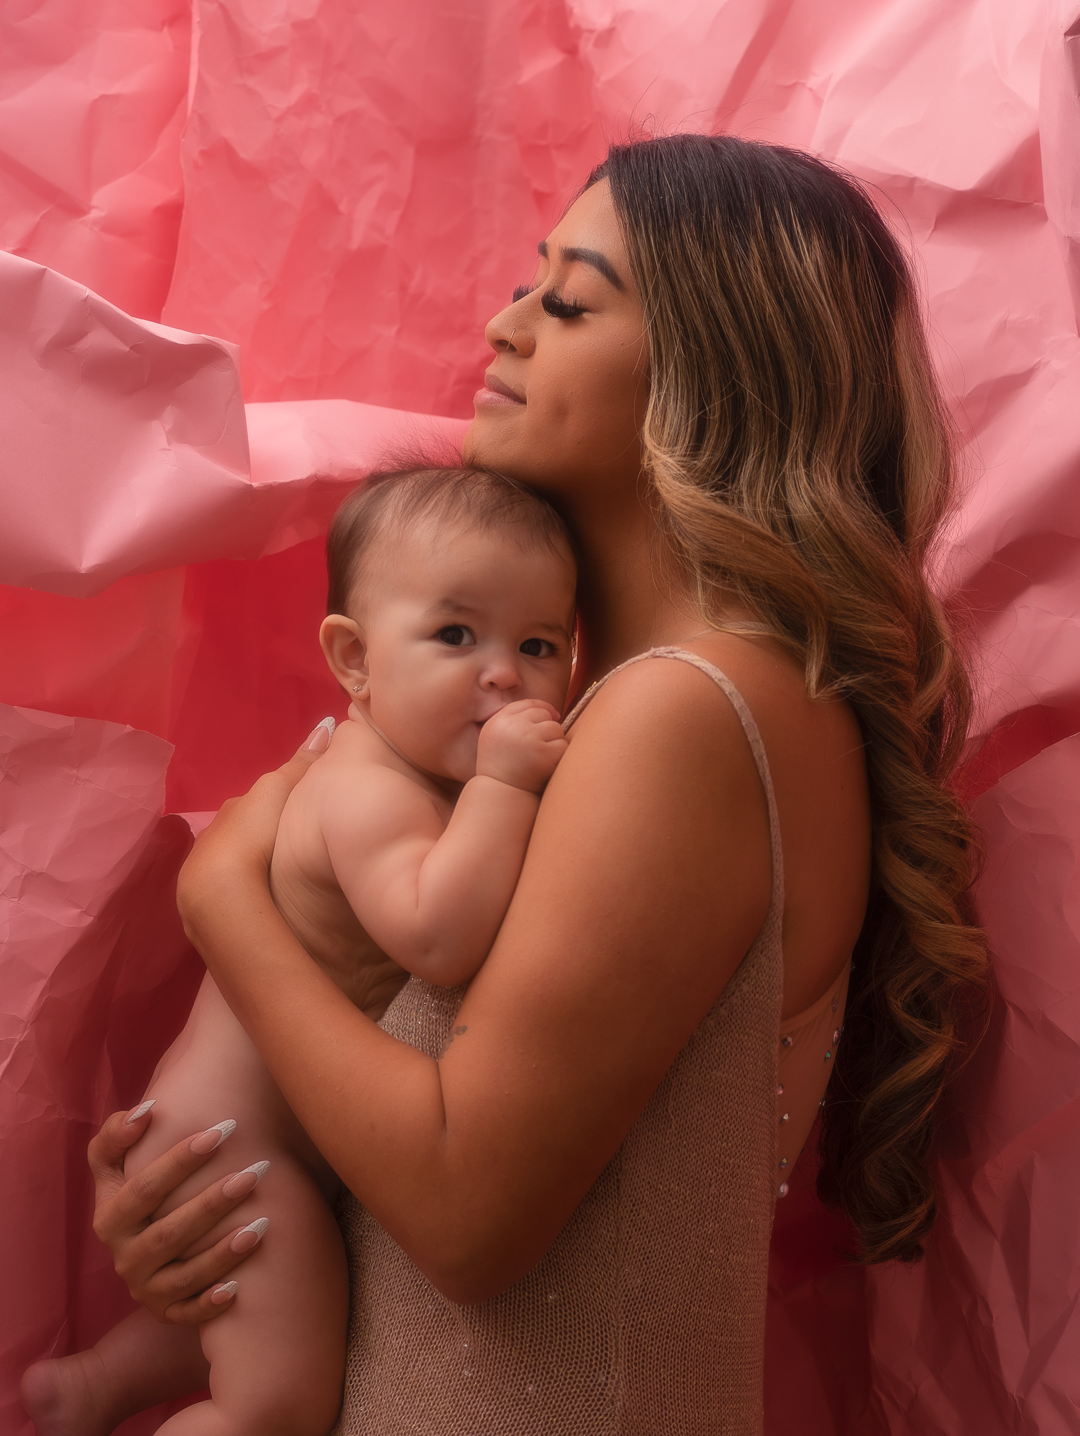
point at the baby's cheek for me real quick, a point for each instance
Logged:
(464, 756)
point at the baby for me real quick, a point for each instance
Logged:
(451, 610)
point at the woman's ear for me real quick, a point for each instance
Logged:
(346, 653)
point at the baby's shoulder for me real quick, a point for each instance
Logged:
(354, 797)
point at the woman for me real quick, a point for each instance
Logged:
(564, 1186)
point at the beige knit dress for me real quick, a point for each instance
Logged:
(647, 1315)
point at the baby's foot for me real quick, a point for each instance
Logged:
(68, 1397)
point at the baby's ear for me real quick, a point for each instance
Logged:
(346, 652)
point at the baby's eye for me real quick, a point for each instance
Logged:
(455, 635)
(537, 648)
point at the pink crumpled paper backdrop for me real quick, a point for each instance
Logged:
(314, 206)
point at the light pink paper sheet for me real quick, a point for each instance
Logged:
(342, 195)
(97, 980)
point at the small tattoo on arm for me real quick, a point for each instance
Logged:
(456, 1033)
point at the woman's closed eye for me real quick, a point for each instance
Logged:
(456, 635)
(537, 648)
(551, 303)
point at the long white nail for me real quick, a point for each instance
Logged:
(140, 1111)
(317, 743)
(224, 1291)
(257, 1169)
(255, 1230)
(226, 1128)
(212, 1138)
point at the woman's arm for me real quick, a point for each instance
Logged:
(647, 879)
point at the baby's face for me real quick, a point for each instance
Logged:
(458, 624)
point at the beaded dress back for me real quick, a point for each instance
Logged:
(647, 1315)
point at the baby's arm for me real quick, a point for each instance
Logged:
(433, 898)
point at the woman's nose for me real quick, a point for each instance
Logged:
(507, 334)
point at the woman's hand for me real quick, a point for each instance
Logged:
(148, 1254)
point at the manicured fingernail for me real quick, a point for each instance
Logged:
(140, 1111)
(225, 1292)
(213, 1137)
(250, 1236)
(246, 1181)
(320, 738)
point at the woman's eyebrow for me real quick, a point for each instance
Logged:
(586, 256)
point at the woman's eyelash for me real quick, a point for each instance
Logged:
(552, 303)
(558, 307)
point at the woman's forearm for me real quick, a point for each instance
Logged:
(373, 1105)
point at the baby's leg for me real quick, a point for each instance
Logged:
(277, 1353)
(277, 1356)
(212, 1072)
(138, 1364)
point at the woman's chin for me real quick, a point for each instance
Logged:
(487, 443)
(470, 445)
(477, 453)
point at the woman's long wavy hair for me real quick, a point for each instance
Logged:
(801, 460)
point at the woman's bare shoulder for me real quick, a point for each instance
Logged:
(654, 698)
(660, 697)
(660, 776)
(670, 721)
(817, 762)
(769, 679)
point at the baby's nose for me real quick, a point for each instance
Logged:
(502, 674)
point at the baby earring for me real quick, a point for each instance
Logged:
(359, 687)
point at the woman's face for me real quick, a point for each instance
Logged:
(564, 398)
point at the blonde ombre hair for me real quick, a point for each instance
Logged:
(801, 462)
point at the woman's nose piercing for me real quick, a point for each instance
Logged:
(512, 333)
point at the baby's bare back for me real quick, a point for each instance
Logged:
(213, 1071)
(308, 894)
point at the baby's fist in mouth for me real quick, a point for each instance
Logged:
(521, 745)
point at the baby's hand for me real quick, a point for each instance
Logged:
(521, 745)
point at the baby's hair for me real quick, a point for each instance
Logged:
(472, 498)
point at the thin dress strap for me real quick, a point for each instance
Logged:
(753, 737)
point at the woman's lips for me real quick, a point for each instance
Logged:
(496, 394)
